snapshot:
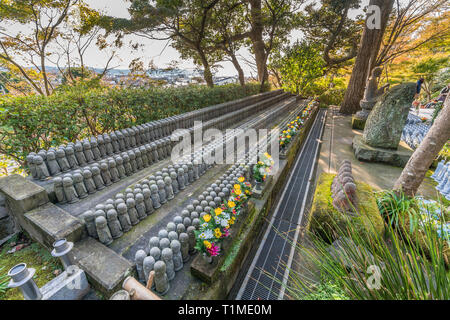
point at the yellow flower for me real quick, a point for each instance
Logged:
(230, 221)
(207, 217)
(217, 232)
(237, 187)
(260, 162)
(241, 179)
(231, 204)
(264, 176)
(267, 170)
(207, 244)
(217, 211)
(281, 143)
(237, 191)
(247, 192)
(233, 218)
(288, 137)
(284, 131)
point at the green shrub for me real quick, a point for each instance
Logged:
(374, 267)
(333, 96)
(37, 122)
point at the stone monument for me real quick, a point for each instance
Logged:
(380, 141)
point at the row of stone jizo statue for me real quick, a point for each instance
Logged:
(151, 135)
(343, 189)
(147, 196)
(442, 177)
(87, 180)
(167, 252)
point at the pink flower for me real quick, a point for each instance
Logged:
(214, 250)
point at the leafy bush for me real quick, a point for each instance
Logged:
(377, 267)
(333, 96)
(37, 122)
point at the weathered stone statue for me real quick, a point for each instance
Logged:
(106, 175)
(140, 206)
(161, 280)
(177, 258)
(132, 213)
(70, 154)
(168, 188)
(101, 146)
(181, 181)
(69, 190)
(139, 260)
(41, 169)
(133, 163)
(155, 196)
(114, 224)
(113, 170)
(95, 150)
(79, 185)
(139, 162)
(164, 243)
(385, 123)
(108, 144)
(89, 219)
(161, 191)
(155, 252)
(31, 165)
(148, 201)
(173, 235)
(167, 257)
(120, 167)
(123, 216)
(384, 126)
(88, 152)
(53, 166)
(191, 235)
(59, 192)
(127, 164)
(184, 241)
(153, 242)
(147, 265)
(104, 235)
(81, 159)
(99, 184)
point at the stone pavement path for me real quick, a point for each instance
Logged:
(337, 146)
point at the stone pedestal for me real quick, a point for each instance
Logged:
(258, 194)
(358, 123)
(397, 158)
(69, 285)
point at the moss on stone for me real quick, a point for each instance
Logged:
(233, 251)
(35, 256)
(358, 123)
(324, 217)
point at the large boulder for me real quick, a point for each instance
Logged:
(385, 123)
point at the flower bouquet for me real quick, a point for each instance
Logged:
(262, 169)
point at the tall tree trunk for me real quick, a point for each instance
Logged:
(207, 74)
(238, 68)
(256, 36)
(419, 163)
(367, 54)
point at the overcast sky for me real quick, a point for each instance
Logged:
(161, 53)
